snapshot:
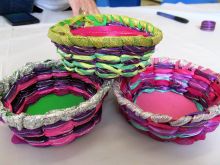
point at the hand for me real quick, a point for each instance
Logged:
(86, 6)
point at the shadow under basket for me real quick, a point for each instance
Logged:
(108, 46)
(172, 100)
(45, 105)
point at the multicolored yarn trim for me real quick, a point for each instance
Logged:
(196, 83)
(56, 127)
(108, 46)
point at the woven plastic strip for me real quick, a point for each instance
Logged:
(56, 127)
(196, 83)
(108, 46)
(108, 65)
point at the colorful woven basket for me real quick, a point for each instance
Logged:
(196, 84)
(59, 126)
(109, 46)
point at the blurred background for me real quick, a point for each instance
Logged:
(10, 6)
(115, 3)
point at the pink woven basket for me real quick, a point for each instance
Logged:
(197, 85)
(57, 127)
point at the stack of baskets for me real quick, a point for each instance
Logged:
(95, 49)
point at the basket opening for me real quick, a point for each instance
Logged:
(103, 31)
(168, 103)
(174, 89)
(53, 102)
(44, 92)
(108, 28)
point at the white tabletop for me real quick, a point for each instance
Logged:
(114, 141)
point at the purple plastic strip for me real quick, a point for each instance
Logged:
(129, 50)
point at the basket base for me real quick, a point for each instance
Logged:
(53, 102)
(168, 103)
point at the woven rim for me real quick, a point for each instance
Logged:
(60, 33)
(23, 120)
(210, 112)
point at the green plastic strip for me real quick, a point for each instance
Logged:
(53, 102)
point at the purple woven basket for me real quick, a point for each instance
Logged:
(54, 128)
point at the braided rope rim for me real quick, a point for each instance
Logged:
(213, 111)
(60, 33)
(24, 120)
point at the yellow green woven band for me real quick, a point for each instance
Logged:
(111, 67)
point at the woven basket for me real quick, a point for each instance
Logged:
(109, 46)
(193, 82)
(56, 127)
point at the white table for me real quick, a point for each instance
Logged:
(113, 141)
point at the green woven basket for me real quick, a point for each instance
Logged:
(106, 56)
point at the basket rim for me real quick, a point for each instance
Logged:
(24, 120)
(213, 111)
(60, 32)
